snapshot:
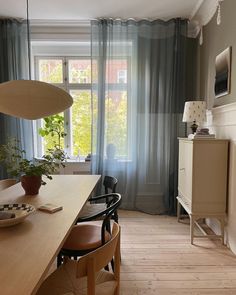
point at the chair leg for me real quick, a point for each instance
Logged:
(112, 265)
(107, 268)
(59, 260)
(115, 217)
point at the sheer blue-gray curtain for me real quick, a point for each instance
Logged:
(14, 64)
(138, 94)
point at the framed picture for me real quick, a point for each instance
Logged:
(223, 73)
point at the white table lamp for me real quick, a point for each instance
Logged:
(195, 112)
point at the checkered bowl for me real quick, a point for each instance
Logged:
(21, 211)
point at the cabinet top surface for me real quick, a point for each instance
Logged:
(202, 139)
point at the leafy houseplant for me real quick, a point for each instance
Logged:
(54, 127)
(30, 171)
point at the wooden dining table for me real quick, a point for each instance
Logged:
(28, 249)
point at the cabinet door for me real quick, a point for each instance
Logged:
(185, 170)
(74, 168)
(210, 176)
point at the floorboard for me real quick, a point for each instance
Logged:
(158, 259)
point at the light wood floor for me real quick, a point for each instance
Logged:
(158, 259)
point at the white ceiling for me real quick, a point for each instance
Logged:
(88, 9)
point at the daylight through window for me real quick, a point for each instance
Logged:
(73, 74)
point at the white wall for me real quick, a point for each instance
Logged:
(222, 122)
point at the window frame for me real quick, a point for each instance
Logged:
(68, 141)
(123, 76)
(118, 86)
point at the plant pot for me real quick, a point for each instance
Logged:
(31, 184)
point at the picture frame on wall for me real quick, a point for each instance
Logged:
(222, 75)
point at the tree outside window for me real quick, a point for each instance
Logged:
(74, 75)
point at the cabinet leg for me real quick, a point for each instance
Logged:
(178, 211)
(191, 228)
(222, 226)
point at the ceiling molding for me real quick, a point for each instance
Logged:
(206, 11)
(193, 29)
(203, 15)
(59, 23)
(60, 30)
(196, 8)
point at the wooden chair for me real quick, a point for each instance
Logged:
(89, 235)
(91, 208)
(5, 183)
(87, 275)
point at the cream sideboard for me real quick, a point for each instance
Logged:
(202, 184)
(75, 168)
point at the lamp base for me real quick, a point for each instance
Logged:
(194, 127)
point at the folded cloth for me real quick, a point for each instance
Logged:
(6, 215)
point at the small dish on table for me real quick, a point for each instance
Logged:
(18, 211)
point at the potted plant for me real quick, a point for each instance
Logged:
(30, 171)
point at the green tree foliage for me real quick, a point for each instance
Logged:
(81, 122)
(51, 71)
(116, 126)
(116, 123)
(53, 132)
(83, 76)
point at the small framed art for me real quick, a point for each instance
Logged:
(223, 73)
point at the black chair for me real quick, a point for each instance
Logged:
(92, 207)
(88, 234)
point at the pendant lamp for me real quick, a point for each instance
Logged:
(30, 99)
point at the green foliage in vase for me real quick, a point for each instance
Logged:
(16, 163)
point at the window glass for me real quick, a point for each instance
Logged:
(50, 70)
(81, 122)
(94, 71)
(116, 116)
(114, 68)
(122, 76)
(79, 71)
(74, 75)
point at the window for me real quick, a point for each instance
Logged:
(122, 76)
(73, 74)
(116, 105)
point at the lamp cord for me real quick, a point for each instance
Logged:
(28, 37)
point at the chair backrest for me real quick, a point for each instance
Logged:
(110, 184)
(112, 205)
(114, 201)
(5, 183)
(91, 263)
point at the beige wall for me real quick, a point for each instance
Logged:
(216, 39)
(222, 119)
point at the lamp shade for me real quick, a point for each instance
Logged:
(31, 99)
(194, 111)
